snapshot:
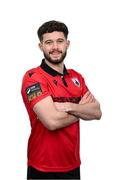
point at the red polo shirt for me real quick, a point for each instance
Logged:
(52, 151)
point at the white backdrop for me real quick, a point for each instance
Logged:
(95, 52)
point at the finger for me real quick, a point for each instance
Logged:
(90, 98)
(87, 98)
(86, 95)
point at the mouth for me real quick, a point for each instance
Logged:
(55, 53)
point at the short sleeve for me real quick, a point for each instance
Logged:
(34, 88)
(84, 87)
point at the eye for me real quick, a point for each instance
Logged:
(48, 42)
(60, 40)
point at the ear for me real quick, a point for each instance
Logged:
(40, 46)
(68, 43)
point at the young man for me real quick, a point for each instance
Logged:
(55, 98)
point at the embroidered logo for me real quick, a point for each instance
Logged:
(55, 82)
(30, 74)
(76, 81)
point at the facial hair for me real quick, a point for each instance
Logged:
(57, 61)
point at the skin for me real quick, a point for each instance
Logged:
(58, 115)
(55, 46)
(87, 109)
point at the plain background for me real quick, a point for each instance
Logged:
(95, 52)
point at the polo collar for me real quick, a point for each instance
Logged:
(51, 71)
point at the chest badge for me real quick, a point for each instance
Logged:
(76, 81)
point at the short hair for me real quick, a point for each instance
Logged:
(52, 26)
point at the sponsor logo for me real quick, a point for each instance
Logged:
(33, 91)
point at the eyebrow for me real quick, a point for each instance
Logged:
(59, 39)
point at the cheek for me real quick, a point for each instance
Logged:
(64, 48)
(46, 49)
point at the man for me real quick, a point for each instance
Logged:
(55, 98)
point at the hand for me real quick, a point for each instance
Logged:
(64, 107)
(87, 98)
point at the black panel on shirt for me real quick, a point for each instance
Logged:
(67, 99)
(51, 71)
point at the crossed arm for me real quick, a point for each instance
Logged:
(58, 115)
(50, 117)
(87, 109)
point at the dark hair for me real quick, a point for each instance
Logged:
(52, 26)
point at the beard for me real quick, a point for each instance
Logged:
(55, 61)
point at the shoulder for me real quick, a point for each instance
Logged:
(33, 77)
(33, 74)
(72, 72)
(30, 73)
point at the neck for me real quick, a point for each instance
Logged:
(57, 67)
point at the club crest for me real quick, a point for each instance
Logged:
(76, 81)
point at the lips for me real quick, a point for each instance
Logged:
(55, 52)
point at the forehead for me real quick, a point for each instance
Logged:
(53, 35)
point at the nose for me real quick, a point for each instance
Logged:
(55, 46)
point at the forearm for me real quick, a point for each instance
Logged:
(50, 117)
(63, 119)
(88, 111)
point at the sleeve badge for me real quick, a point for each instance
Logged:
(33, 91)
